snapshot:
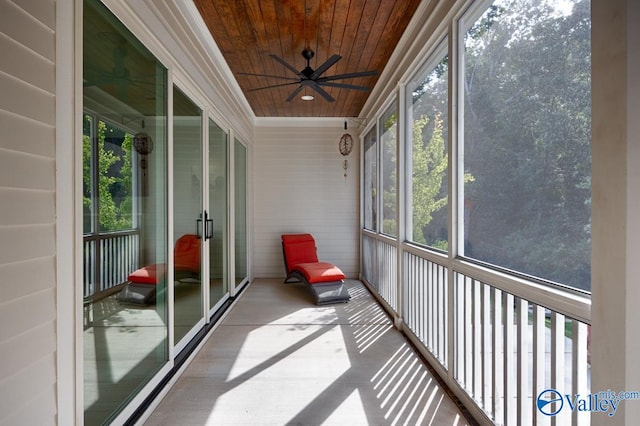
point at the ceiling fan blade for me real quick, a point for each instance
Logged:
(294, 93)
(272, 86)
(321, 91)
(343, 85)
(348, 75)
(325, 66)
(269, 75)
(283, 62)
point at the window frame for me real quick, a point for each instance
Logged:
(433, 58)
(389, 106)
(465, 20)
(96, 230)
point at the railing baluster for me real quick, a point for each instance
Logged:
(539, 360)
(469, 333)
(509, 401)
(497, 367)
(557, 364)
(524, 338)
(444, 309)
(487, 374)
(477, 341)
(579, 359)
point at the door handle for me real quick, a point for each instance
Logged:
(208, 227)
(199, 227)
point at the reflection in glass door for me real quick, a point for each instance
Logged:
(124, 200)
(240, 196)
(218, 211)
(191, 225)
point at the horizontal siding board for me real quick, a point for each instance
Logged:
(32, 69)
(43, 11)
(31, 400)
(300, 187)
(26, 242)
(28, 101)
(25, 135)
(35, 35)
(27, 348)
(27, 213)
(26, 171)
(15, 319)
(21, 279)
(23, 207)
(46, 414)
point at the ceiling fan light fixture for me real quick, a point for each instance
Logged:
(306, 97)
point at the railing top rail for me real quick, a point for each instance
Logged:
(112, 234)
(573, 305)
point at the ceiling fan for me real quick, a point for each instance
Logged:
(119, 75)
(309, 77)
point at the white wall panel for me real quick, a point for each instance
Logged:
(31, 398)
(35, 70)
(300, 187)
(18, 23)
(27, 213)
(27, 136)
(20, 279)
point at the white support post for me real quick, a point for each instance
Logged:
(615, 342)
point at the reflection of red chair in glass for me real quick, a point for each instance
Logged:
(325, 280)
(141, 286)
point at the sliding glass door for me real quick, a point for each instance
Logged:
(191, 224)
(217, 207)
(124, 201)
(138, 310)
(240, 210)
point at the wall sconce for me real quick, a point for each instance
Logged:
(345, 146)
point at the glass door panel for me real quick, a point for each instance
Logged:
(240, 195)
(190, 222)
(218, 283)
(124, 171)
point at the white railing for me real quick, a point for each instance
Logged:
(425, 307)
(500, 343)
(109, 259)
(508, 350)
(380, 261)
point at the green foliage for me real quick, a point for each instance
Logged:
(527, 140)
(115, 178)
(429, 170)
(389, 173)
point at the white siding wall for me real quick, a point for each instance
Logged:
(27, 213)
(299, 187)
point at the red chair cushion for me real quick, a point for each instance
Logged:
(186, 253)
(298, 248)
(150, 274)
(319, 272)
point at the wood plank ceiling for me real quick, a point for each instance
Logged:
(363, 32)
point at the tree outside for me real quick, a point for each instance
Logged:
(113, 182)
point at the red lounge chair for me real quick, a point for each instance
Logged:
(324, 279)
(141, 285)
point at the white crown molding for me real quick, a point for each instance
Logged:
(303, 122)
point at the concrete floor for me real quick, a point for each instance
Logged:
(278, 359)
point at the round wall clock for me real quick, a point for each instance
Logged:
(143, 143)
(346, 144)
